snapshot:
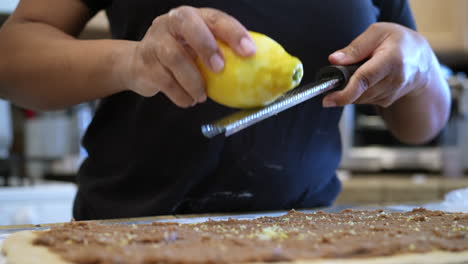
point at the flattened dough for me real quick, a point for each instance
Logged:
(19, 249)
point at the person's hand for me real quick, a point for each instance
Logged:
(164, 61)
(399, 63)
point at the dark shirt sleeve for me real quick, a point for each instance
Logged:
(96, 5)
(396, 11)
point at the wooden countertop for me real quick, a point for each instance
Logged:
(396, 188)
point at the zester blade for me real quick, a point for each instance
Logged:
(245, 118)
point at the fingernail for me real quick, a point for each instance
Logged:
(329, 103)
(217, 63)
(339, 56)
(202, 99)
(247, 46)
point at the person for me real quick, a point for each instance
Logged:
(147, 155)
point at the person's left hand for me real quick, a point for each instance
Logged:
(399, 63)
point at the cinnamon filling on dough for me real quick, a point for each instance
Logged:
(294, 236)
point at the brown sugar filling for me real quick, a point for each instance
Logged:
(294, 236)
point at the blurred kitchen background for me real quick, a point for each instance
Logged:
(40, 152)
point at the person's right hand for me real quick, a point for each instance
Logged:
(164, 61)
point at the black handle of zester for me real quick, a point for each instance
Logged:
(336, 71)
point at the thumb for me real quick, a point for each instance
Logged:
(369, 74)
(361, 48)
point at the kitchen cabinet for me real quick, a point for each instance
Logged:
(443, 23)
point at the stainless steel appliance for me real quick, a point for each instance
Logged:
(6, 133)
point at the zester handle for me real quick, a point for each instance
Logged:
(336, 71)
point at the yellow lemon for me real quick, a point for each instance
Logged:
(256, 80)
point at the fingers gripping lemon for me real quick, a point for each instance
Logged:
(254, 81)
